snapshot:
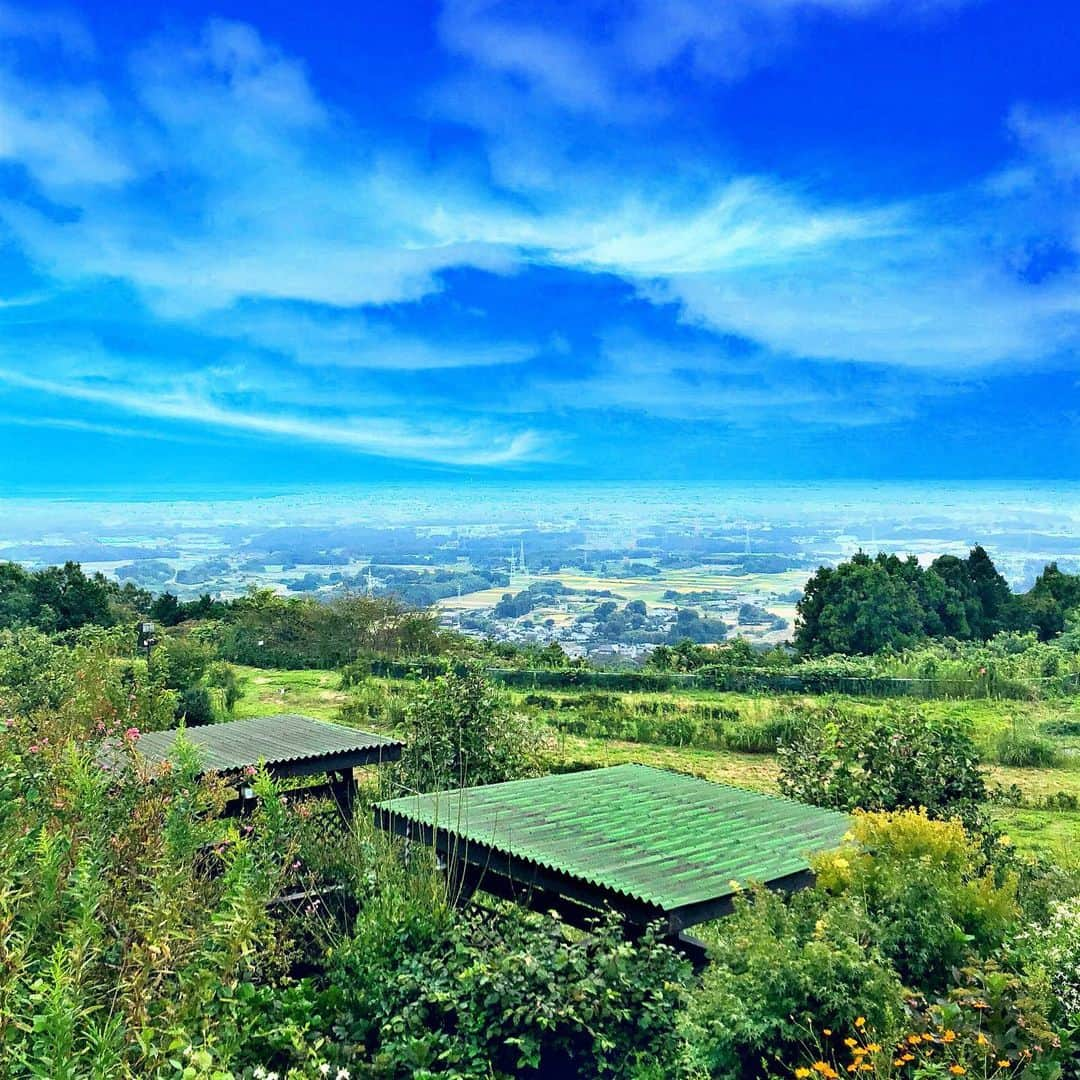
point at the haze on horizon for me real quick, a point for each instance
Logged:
(487, 241)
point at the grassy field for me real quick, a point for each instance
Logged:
(318, 694)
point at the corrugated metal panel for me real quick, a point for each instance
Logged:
(275, 740)
(652, 835)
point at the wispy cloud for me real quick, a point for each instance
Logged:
(255, 259)
(362, 434)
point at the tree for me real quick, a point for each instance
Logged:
(860, 607)
(463, 731)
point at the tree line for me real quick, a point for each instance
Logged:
(869, 605)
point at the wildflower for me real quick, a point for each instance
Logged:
(259, 1073)
(982, 1039)
(324, 1068)
(841, 863)
(342, 1074)
(914, 1039)
(826, 1031)
(909, 1057)
(898, 1063)
(1004, 1063)
(849, 1043)
(948, 1036)
(860, 1021)
(957, 1070)
(802, 1073)
(250, 770)
(131, 734)
(873, 1048)
(734, 885)
(866, 1067)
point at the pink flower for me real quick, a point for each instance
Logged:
(250, 770)
(131, 734)
(33, 748)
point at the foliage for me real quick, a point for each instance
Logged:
(506, 993)
(883, 761)
(59, 598)
(461, 730)
(1057, 952)
(776, 969)
(872, 605)
(1026, 750)
(933, 898)
(265, 630)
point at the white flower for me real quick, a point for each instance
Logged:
(324, 1068)
(342, 1074)
(259, 1072)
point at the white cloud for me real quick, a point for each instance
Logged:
(444, 444)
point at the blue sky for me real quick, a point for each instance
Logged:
(763, 240)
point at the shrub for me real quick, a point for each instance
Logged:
(461, 730)
(1026, 750)
(195, 706)
(760, 736)
(1057, 952)
(506, 994)
(778, 970)
(928, 890)
(887, 761)
(1063, 727)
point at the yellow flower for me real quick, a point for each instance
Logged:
(864, 1067)
(826, 1031)
(841, 863)
(909, 1057)
(898, 1063)
(914, 1039)
(849, 1043)
(957, 1070)
(873, 1048)
(860, 1021)
(735, 885)
(982, 1039)
(948, 1036)
(802, 1073)
(1004, 1063)
(1005, 841)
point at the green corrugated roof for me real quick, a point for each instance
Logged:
(658, 837)
(275, 740)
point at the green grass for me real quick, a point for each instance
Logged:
(270, 691)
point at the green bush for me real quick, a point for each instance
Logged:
(1026, 750)
(885, 761)
(462, 730)
(926, 886)
(777, 971)
(507, 994)
(1063, 727)
(760, 736)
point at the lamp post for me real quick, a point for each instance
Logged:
(147, 639)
